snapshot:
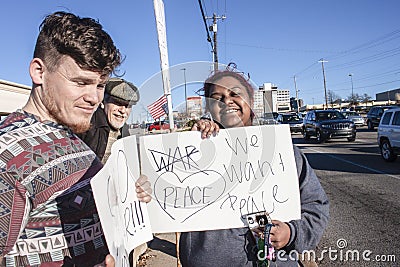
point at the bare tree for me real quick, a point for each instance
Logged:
(365, 99)
(354, 99)
(333, 98)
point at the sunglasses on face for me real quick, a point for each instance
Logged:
(119, 102)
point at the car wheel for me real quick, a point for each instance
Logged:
(387, 151)
(305, 135)
(320, 139)
(351, 139)
(370, 125)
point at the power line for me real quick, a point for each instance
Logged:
(366, 86)
(361, 61)
(283, 49)
(214, 29)
(312, 65)
(372, 43)
(205, 24)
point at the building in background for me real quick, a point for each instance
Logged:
(258, 104)
(293, 103)
(392, 96)
(194, 106)
(270, 99)
(283, 101)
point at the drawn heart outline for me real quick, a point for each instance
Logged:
(219, 185)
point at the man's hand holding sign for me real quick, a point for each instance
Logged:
(120, 192)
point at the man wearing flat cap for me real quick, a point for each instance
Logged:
(108, 122)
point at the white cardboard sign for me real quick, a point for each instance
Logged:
(124, 219)
(213, 183)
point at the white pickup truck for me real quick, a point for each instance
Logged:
(389, 134)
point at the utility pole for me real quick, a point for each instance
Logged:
(186, 103)
(214, 29)
(323, 73)
(297, 94)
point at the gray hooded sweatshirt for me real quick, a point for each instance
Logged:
(236, 247)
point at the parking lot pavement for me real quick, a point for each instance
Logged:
(161, 251)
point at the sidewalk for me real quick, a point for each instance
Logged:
(161, 251)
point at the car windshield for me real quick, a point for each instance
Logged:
(350, 113)
(290, 118)
(323, 116)
(271, 115)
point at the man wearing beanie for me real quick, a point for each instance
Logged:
(108, 122)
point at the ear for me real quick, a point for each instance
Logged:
(36, 69)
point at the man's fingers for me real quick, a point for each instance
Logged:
(110, 262)
(143, 189)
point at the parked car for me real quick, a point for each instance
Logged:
(294, 121)
(157, 125)
(145, 125)
(328, 124)
(134, 125)
(269, 118)
(374, 115)
(389, 134)
(355, 117)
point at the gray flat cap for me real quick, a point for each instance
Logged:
(123, 90)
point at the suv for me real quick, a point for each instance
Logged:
(374, 115)
(389, 134)
(294, 121)
(327, 124)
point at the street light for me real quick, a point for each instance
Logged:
(352, 89)
(184, 77)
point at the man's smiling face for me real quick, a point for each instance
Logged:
(117, 112)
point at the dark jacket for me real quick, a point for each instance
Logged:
(97, 136)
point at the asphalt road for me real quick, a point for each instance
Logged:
(363, 191)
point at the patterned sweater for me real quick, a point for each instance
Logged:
(47, 212)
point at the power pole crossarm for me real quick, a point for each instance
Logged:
(214, 29)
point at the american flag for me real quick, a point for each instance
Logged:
(158, 108)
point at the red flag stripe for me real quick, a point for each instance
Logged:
(156, 109)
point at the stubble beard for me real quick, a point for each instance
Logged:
(76, 126)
